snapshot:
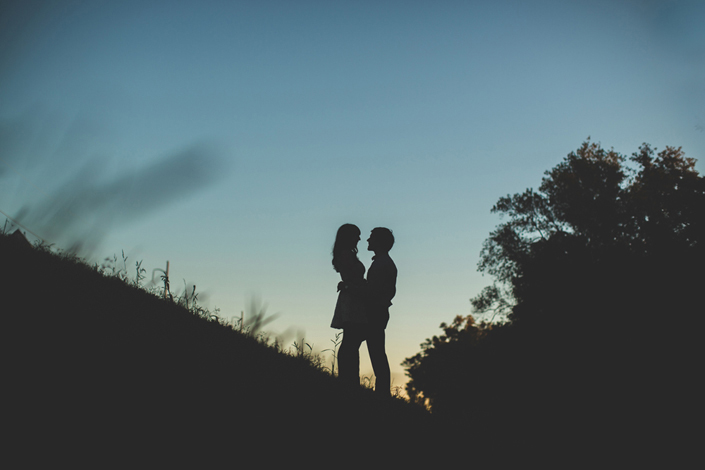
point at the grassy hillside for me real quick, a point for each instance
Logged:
(100, 369)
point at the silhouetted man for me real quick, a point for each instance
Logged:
(381, 285)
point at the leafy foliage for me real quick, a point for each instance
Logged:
(588, 272)
(594, 221)
(435, 369)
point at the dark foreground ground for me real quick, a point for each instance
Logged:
(97, 372)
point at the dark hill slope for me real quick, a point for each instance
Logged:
(99, 367)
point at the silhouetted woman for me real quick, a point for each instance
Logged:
(350, 310)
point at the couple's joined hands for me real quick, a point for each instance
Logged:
(343, 286)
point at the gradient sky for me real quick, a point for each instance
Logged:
(233, 138)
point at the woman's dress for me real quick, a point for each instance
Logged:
(350, 307)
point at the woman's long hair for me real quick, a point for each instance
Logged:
(345, 242)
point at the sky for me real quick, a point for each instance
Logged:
(233, 138)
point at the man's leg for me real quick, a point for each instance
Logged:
(349, 355)
(378, 357)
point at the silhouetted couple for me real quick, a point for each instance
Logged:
(362, 310)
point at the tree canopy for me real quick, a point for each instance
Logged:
(596, 222)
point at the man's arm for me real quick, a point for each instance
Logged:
(381, 281)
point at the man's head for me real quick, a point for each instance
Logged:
(381, 240)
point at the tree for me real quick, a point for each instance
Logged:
(599, 274)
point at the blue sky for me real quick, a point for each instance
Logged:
(233, 138)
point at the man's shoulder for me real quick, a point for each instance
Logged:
(391, 262)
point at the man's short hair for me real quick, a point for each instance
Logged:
(384, 237)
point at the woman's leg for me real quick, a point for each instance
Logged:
(349, 355)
